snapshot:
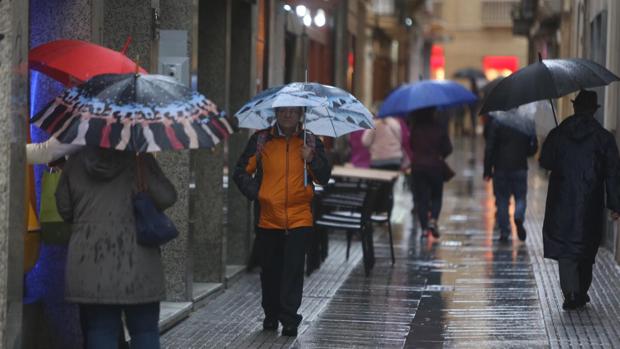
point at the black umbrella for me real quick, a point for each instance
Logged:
(546, 79)
(486, 89)
(134, 112)
(469, 73)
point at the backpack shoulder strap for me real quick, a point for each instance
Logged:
(261, 139)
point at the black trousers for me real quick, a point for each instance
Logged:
(281, 257)
(427, 196)
(575, 277)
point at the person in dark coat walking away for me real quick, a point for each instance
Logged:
(430, 145)
(271, 171)
(583, 159)
(505, 161)
(107, 271)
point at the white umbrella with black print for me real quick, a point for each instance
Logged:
(329, 111)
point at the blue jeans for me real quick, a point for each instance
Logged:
(505, 184)
(102, 325)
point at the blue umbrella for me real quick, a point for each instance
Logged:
(425, 94)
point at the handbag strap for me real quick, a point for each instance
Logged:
(140, 174)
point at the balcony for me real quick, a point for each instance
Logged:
(497, 13)
(523, 15)
(548, 8)
(383, 7)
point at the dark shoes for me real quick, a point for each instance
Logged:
(574, 302)
(503, 236)
(270, 324)
(289, 331)
(521, 233)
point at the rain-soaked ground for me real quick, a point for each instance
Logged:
(464, 290)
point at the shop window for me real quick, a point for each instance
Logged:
(499, 66)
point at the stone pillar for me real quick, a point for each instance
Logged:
(13, 126)
(612, 99)
(178, 255)
(416, 54)
(124, 18)
(360, 50)
(209, 241)
(612, 104)
(55, 322)
(275, 43)
(242, 87)
(341, 44)
(137, 19)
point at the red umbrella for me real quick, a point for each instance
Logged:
(74, 61)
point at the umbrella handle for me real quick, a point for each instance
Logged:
(540, 59)
(553, 109)
(126, 45)
(305, 163)
(304, 130)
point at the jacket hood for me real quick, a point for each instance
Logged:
(580, 126)
(105, 164)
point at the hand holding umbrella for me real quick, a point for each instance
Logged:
(307, 153)
(329, 111)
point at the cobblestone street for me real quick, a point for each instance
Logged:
(464, 290)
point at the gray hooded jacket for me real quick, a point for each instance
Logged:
(105, 265)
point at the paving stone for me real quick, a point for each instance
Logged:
(466, 290)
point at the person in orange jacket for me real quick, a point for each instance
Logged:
(271, 171)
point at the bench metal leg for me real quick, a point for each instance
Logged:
(367, 248)
(391, 239)
(349, 236)
(324, 244)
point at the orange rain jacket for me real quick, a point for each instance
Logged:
(271, 170)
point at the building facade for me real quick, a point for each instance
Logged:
(478, 34)
(231, 50)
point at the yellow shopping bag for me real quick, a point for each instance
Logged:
(53, 229)
(32, 240)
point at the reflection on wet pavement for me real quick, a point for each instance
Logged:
(464, 290)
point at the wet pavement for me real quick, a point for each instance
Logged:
(464, 290)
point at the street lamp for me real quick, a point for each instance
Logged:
(307, 19)
(287, 8)
(301, 10)
(319, 18)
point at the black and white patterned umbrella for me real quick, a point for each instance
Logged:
(134, 112)
(330, 111)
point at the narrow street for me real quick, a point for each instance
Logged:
(132, 134)
(464, 290)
